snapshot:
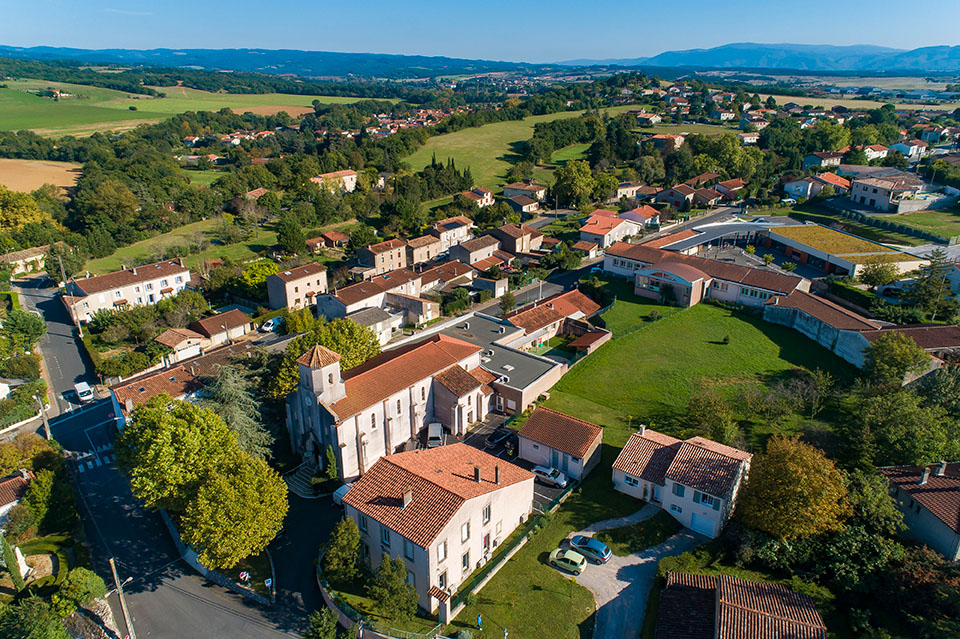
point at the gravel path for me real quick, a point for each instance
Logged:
(621, 586)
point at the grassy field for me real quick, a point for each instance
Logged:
(489, 150)
(627, 540)
(829, 102)
(567, 153)
(29, 175)
(202, 178)
(706, 129)
(944, 222)
(96, 109)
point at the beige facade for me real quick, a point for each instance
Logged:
(139, 286)
(297, 287)
(384, 257)
(423, 249)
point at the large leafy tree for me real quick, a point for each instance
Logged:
(169, 447)
(237, 511)
(290, 235)
(891, 357)
(18, 209)
(21, 330)
(574, 184)
(794, 491)
(230, 395)
(343, 551)
(879, 274)
(390, 591)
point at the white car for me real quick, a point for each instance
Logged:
(271, 325)
(84, 392)
(550, 476)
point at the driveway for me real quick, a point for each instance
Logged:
(621, 586)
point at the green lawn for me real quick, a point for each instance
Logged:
(628, 540)
(356, 596)
(648, 375)
(489, 150)
(943, 222)
(705, 129)
(202, 178)
(259, 568)
(567, 153)
(96, 109)
(565, 230)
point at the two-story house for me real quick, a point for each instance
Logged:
(518, 238)
(821, 159)
(696, 480)
(475, 250)
(526, 187)
(345, 180)
(605, 231)
(138, 286)
(929, 498)
(478, 195)
(423, 249)
(296, 287)
(384, 257)
(452, 230)
(442, 510)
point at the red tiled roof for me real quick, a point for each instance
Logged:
(487, 263)
(586, 340)
(647, 455)
(604, 213)
(735, 183)
(315, 241)
(390, 372)
(687, 607)
(759, 278)
(173, 337)
(926, 336)
(706, 468)
(318, 356)
(335, 236)
(457, 381)
(441, 480)
(455, 221)
(646, 211)
(386, 245)
(834, 179)
(479, 243)
(683, 271)
(210, 326)
(374, 286)
(561, 432)
(824, 310)
(536, 318)
(445, 272)
(13, 487)
(940, 495)
(600, 225)
(299, 272)
(570, 303)
(338, 174)
(584, 245)
(126, 277)
(423, 240)
(256, 193)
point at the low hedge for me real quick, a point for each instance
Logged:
(861, 298)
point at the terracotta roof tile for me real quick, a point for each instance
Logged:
(423, 240)
(687, 607)
(457, 381)
(318, 356)
(705, 468)
(173, 337)
(824, 310)
(561, 432)
(13, 487)
(210, 326)
(928, 337)
(441, 480)
(536, 318)
(940, 495)
(386, 245)
(647, 455)
(571, 303)
(126, 277)
(300, 272)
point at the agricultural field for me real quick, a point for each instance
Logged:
(829, 102)
(944, 222)
(97, 109)
(29, 175)
(689, 127)
(491, 149)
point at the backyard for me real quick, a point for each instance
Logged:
(944, 222)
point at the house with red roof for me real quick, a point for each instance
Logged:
(12, 489)
(137, 286)
(929, 498)
(552, 439)
(604, 229)
(383, 405)
(344, 181)
(678, 197)
(297, 287)
(443, 510)
(695, 480)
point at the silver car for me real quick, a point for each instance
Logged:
(550, 476)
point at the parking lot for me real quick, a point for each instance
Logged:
(542, 493)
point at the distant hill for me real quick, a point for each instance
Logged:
(802, 57)
(275, 61)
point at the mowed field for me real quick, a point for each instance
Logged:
(829, 102)
(489, 150)
(29, 175)
(95, 109)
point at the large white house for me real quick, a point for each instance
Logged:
(443, 510)
(138, 286)
(696, 480)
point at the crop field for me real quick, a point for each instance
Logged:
(29, 175)
(95, 109)
(828, 102)
(490, 150)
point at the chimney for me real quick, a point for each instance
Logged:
(128, 405)
(407, 496)
(643, 429)
(496, 474)
(134, 270)
(476, 474)
(925, 476)
(941, 469)
(25, 473)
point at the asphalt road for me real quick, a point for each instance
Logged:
(66, 362)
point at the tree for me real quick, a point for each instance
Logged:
(22, 330)
(879, 274)
(299, 321)
(290, 235)
(360, 237)
(31, 618)
(323, 625)
(169, 447)
(931, 288)
(343, 552)
(507, 302)
(710, 415)
(10, 561)
(891, 357)
(79, 588)
(390, 591)
(18, 209)
(230, 395)
(253, 278)
(71, 258)
(237, 511)
(794, 491)
(574, 183)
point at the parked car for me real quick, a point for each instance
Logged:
(497, 437)
(512, 444)
(434, 435)
(550, 476)
(788, 200)
(596, 269)
(569, 560)
(591, 548)
(339, 493)
(84, 392)
(271, 325)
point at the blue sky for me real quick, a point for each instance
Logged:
(492, 29)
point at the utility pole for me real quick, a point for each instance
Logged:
(123, 601)
(73, 311)
(43, 416)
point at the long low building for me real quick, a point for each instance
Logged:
(695, 278)
(138, 286)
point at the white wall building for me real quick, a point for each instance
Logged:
(138, 286)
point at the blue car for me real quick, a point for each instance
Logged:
(591, 548)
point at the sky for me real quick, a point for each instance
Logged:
(513, 30)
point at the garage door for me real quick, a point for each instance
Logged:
(702, 525)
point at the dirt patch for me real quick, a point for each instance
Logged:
(294, 111)
(43, 565)
(28, 175)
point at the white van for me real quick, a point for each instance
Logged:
(434, 435)
(84, 392)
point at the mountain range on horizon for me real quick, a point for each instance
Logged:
(753, 56)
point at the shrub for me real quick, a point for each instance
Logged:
(725, 340)
(789, 266)
(79, 587)
(653, 316)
